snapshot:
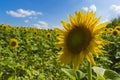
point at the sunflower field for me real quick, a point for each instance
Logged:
(29, 53)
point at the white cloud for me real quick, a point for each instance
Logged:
(41, 24)
(26, 21)
(22, 13)
(91, 8)
(85, 9)
(33, 17)
(105, 20)
(115, 8)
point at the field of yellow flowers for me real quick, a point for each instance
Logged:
(28, 53)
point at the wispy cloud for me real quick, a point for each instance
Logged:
(23, 13)
(33, 17)
(41, 24)
(26, 21)
(115, 8)
(91, 8)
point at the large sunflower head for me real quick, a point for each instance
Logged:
(13, 43)
(80, 39)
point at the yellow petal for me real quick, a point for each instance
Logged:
(59, 31)
(90, 58)
(64, 58)
(72, 22)
(59, 44)
(65, 25)
(98, 28)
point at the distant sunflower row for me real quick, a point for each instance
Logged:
(13, 43)
(114, 31)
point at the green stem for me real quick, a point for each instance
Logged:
(89, 69)
(15, 66)
(15, 74)
(0, 67)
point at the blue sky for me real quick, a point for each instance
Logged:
(49, 13)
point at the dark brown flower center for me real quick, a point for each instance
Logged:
(118, 29)
(78, 39)
(115, 33)
(13, 43)
(57, 34)
(105, 29)
(48, 35)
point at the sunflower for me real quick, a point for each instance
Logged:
(105, 30)
(4, 26)
(118, 28)
(115, 32)
(80, 39)
(37, 37)
(48, 35)
(13, 43)
(55, 29)
(57, 34)
(25, 29)
(110, 30)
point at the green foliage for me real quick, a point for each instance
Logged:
(33, 59)
(105, 74)
(110, 74)
(100, 72)
(111, 57)
(70, 73)
(74, 75)
(114, 22)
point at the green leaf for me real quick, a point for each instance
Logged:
(118, 55)
(100, 72)
(71, 73)
(80, 74)
(116, 65)
(34, 48)
(110, 74)
(11, 78)
(42, 76)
